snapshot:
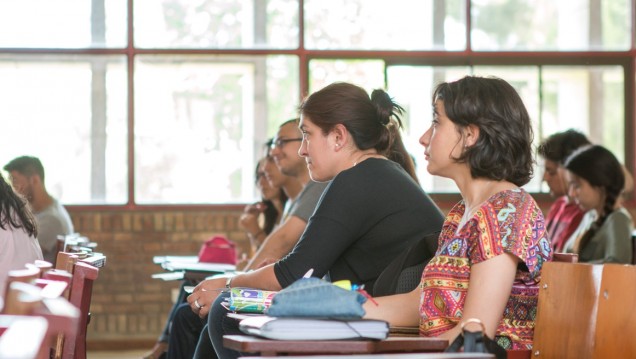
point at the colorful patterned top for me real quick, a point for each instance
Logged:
(508, 222)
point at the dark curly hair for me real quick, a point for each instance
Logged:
(14, 211)
(558, 146)
(503, 150)
(372, 122)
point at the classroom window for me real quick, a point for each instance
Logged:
(175, 109)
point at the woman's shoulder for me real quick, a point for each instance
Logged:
(621, 212)
(512, 199)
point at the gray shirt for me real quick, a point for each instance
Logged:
(53, 221)
(305, 204)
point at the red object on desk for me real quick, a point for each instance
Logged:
(218, 249)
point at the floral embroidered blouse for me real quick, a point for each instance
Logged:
(508, 222)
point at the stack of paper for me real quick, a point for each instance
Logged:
(294, 328)
(198, 267)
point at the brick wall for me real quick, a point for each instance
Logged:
(127, 304)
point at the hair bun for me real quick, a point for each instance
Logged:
(384, 106)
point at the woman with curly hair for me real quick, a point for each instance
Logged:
(493, 244)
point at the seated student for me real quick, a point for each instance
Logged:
(370, 212)
(27, 177)
(492, 245)
(272, 182)
(596, 180)
(18, 232)
(284, 151)
(263, 216)
(564, 215)
(303, 196)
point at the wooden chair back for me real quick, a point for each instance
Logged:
(66, 261)
(61, 276)
(634, 247)
(80, 295)
(32, 301)
(31, 334)
(43, 266)
(565, 257)
(21, 299)
(26, 275)
(583, 312)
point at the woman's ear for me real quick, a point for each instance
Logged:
(340, 136)
(471, 134)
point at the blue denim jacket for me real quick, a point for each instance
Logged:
(314, 297)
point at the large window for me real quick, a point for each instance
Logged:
(172, 103)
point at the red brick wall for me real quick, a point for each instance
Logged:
(127, 303)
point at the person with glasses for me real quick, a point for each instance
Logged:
(282, 158)
(371, 211)
(284, 151)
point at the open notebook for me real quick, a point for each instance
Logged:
(295, 328)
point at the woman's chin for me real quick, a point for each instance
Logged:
(316, 177)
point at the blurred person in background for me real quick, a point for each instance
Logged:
(27, 177)
(18, 231)
(564, 214)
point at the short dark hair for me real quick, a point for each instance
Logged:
(558, 146)
(503, 150)
(26, 165)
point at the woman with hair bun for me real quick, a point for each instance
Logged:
(372, 209)
(595, 181)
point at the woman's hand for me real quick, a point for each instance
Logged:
(249, 218)
(204, 294)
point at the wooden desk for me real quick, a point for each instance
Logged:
(250, 344)
(96, 260)
(391, 356)
(190, 267)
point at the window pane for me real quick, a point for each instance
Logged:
(201, 121)
(57, 112)
(378, 25)
(62, 23)
(589, 99)
(368, 74)
(551, 25)
(218, 24)
(412, 87)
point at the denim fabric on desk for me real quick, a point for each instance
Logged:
(314, 297)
